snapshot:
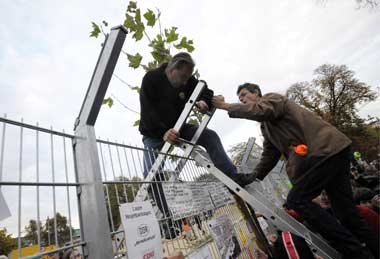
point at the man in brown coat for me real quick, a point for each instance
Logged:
(318, 157)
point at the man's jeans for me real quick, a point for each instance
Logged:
(208, 139)
(346, 235)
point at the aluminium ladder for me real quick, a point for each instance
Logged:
(250, 195)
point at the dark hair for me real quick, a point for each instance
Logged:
(253, 88)
(363, 194)
(181, 60)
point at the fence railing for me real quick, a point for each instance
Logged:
(46, 190)
(38, 181)
(64, 191)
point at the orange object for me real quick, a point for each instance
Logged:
(300, 149)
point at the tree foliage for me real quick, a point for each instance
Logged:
(122, 193)
(140, 23)
(31, 230)
(48, 231)
(7, 242)
(369, 4)
(336, 95)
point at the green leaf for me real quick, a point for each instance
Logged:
(185, 44)
(138, 34)
(136, 123)
(95, 30)
(139, 29)
(108, 101)
(132, 6)
(160, 53)
(105, 23)
(151, 65)
(129, 23)
(171, 34)
(150, 18)
(136, 88)
(138, 16)
(134, 60)
(193, 122)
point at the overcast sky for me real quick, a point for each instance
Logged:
(47, 57)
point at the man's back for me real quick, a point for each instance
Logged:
(161, 104)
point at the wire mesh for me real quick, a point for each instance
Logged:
(182, 228)
(37, 181)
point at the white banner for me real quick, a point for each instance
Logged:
(225, 237)
(220, 195)
(142, 233)
(186, 199)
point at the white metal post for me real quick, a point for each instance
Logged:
(93, 212)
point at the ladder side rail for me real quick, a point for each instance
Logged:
(187, 147)
(274, 214)
(143, 191)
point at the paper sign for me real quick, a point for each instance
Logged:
(142, 232)
(225, 237)
(202, 253)
(186, 199)
(220, 195)
(4, 210)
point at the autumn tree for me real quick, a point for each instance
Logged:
(369, 4)
(336, 95)
(31, 230)
(63, 230)
(7, 242)
(119, 193)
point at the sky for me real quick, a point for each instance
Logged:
(47, 57)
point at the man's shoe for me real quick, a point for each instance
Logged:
(244, 179)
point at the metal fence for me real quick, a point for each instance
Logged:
(64, 191)
(40, 183)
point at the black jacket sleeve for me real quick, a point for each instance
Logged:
(148, 101)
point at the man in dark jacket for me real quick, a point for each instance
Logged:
(164, 93)
(318, 157)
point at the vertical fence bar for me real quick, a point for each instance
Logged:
(38, 190)
(122, 173)
(67, 187)
(113, 173)
(129, 173)
(107, 191)
(53, 178)
(2, 150)
(19, 192)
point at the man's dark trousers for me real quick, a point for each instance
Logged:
(208, 139)
(333, 176)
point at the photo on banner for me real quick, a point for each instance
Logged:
(225, 237)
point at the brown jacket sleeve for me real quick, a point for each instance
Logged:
(268, 160)
(269, 107)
